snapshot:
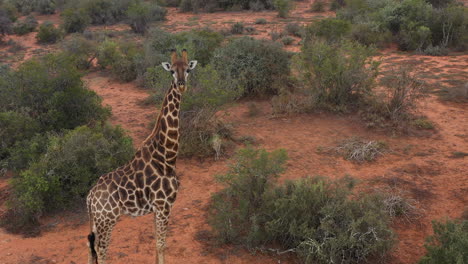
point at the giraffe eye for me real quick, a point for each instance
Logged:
(172, 72)
(188, 70)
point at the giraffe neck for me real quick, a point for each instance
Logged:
(164, 138)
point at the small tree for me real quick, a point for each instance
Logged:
(75, 20)
(283, 7)
(141, 14)
(48, 33)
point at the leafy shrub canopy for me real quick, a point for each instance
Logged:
(69, 167)
(449, 244)
(257, 67)
(317, 218)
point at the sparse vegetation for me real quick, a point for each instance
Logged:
(261, 21)
(397, 109)
(212, 5)
(254, 211)
(449, 243)
(458, 93)
(25, 26)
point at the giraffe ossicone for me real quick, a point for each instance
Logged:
(148, 183)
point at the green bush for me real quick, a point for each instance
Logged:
(318, 6)
(237, 28)
(212, 5)
(367, 34)
(287, 40)
(321, 220)
(283, 7)
(5, 24)
(125, 67)
(258, 67)
(294, 29)
(141, 14)
(261, 21)
(71, 164)
(331, 29)
(250, 177)
(15, 127)
(48, 33)
(52, 93)
(449, 27)
(25, 151)
(75, 20)
(45, 7)
(10, 10)
(25, 26)
(106, 11)
(81, 50)
(449, 244)
(416, 24)
(338, 76)
(108, 53)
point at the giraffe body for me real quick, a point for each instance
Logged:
(148, 183)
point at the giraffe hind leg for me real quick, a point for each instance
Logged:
(102, 240)
(92, 259)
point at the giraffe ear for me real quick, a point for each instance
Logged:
(192, 64)
(166, 66)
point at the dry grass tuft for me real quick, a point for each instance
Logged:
(360, 150)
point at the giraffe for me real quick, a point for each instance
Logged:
(148, 183)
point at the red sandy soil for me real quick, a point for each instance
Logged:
(420, 166)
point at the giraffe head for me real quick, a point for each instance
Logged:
(180, 68)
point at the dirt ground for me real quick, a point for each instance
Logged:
(422, 167)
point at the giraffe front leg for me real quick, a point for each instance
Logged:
(161, 219)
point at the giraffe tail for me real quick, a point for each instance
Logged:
(92, 239)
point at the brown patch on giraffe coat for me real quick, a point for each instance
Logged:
(156, 185)
(160, 195)
(170, 121)
(140, 180)
(170, 145)
(170, 154)
(166, 185)
(146, 154)
(173, 134)
(163, 125)
(148, 170)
